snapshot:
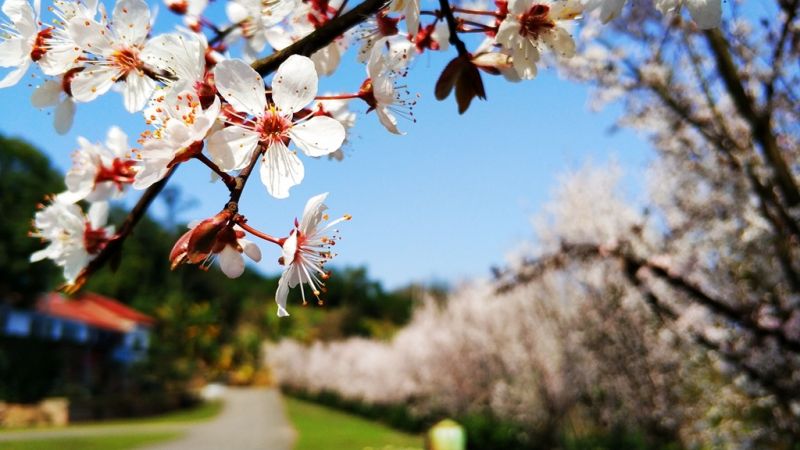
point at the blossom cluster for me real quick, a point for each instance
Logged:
(205, 104)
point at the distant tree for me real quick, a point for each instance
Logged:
(26, 176)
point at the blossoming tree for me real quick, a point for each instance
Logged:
(205, 104)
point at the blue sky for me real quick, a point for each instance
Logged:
(444, 202)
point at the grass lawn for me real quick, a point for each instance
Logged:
(111, 442)
(113, 434)
(319, 427)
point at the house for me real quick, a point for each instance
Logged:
(88, 321)
(80, 348)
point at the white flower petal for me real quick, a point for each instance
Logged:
(318, 136)
(388, 120)
(63, 116)
(231, 262)
(230, 148)
(280, 170)
(131, 21)
(15, 75)
(13, 51)
(92, 82)
(90, 36)
(98, 214)
(295, 84)
(46, 95)
(250, 249)
(241, 86)
(137, 90)
(282, 295)
(117, 142)
(312, 214)
(327, 59)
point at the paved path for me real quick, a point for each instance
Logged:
(251, 419)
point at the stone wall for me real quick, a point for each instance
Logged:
(48, 412)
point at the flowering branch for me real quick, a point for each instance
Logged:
(759, 122)
(321, 37)
(581, 252)
(113, 247)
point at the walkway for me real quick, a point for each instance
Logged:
(252, 419)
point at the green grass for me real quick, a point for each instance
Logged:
(319, 427)
(112, 442)
(204, 411)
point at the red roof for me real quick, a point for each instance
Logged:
(95, 310)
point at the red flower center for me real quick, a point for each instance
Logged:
(39, 46)
(274, 127)
(94, 240)
(121, 172)
(535, 21)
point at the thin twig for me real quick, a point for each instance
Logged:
(229, 181)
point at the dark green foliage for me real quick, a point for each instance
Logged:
(29, 369)
(25, 178)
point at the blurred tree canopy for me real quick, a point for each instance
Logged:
(26, 176)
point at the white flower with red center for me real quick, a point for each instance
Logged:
(306, 251)
(59, 52)
(73, 238)
(533, 24)
(268, 127)
(182, 125)
(22, 42)
(52, 93)
(117, 53)
(381, 97)
(215, 238)
(99, 171)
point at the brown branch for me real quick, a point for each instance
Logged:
(321, 37)
(759, 122)
(241, 180)
(633, 264)
(114, 245)
(452, 26)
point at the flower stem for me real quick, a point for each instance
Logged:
(337, 97)
(242, 222)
